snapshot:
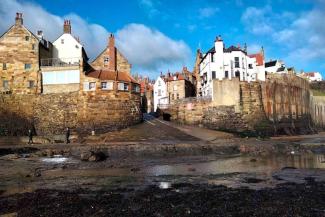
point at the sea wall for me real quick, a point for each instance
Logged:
(52, 113)
(280, 105)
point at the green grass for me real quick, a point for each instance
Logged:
(318, 93)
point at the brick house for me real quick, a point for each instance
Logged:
(110, 72)
(21, 51)
(172, 87)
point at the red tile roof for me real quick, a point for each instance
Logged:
(111, 75)
(259, 58)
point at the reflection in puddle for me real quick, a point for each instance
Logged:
(266, 165)
(164, 185)
(54, 159)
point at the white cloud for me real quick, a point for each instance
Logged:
(207, 12)
(145, 48)
(255, 20)
(92, 36)
(151, 49)
(150, 7)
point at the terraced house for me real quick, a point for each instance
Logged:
(52, 86)
(20, 52)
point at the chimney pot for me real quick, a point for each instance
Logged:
(67, 27)
(19, 19)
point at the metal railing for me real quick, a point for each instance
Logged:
(60, 62)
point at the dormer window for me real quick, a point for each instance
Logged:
(106, 60)
(77, 46)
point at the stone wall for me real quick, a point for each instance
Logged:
(52, 113)
(281, 105)
(317, 109)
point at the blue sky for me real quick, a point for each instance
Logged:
(164, 34)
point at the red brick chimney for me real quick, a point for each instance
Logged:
(67, 27)
(111, 53)
(19, 19)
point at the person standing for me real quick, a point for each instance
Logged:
(30, 136)
(67, 135)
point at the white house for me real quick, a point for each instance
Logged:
(160, 93)
(227, 63)
(276, 66)
(62, 72)
(313, 76)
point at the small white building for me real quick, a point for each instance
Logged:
(62, 72)
(227, 63)
(276, 66)
(312, 76)
(160, 93)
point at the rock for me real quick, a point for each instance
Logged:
(12, 156)
(84, 156)
(253, 160)
(136, 169)
(191, 169)
(37, 173)
(93, 156)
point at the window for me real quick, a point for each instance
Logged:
(92, 85)
(177, 96)
(236, 62)
(31, 84)
(62, 41)
(107, 85)
(5, 84)
(26, 38)
(4, 66)
(213, 75)
(123, 86)
(237, 74)
(172, 96)
(28, 66)
(242, 60)
(175, 87)
(136, 88)
(159, 92)
(226, 74)
(159, 83)
(212, 57)
(106, 60)
(33, 46)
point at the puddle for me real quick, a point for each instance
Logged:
(164, 185)
(55, 159)
(266, 165)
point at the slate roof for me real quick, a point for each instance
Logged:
(270, 63)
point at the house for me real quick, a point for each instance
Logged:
(180, 85)
(160, 93)
(62, 72)
(111, 56)
(147, 95)
(226, 63)
(171, 87)
(104, 75)
(311, 76)
(19, 60)
(276, 66)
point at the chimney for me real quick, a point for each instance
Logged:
(218, 38)
(112, 53)
(40, 34)
(67, 27)
(19, 19)
(184, 69)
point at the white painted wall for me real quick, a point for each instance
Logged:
(61, 77)
(223, 65)
(66, 47)
(317, 77)
(160, 86)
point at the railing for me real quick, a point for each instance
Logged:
(60, 62)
